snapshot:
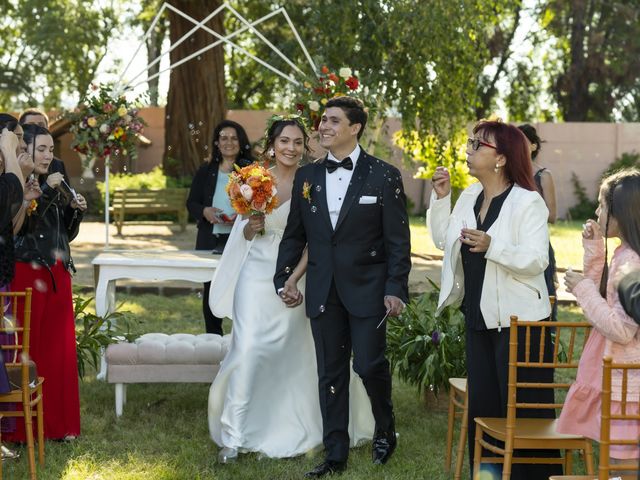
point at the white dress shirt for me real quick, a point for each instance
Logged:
(338, 183)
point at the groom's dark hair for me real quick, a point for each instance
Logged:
(353, 109)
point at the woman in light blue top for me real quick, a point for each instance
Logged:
(208, 202)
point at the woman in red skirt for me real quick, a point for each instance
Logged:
(43, 263)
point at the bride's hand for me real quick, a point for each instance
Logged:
(254, 226)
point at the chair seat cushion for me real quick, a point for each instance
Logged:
(526, 428)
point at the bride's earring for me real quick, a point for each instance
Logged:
(272, 152)
(497, 169)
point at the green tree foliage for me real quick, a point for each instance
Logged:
(50, 48)
(597, 77)
(424, 60)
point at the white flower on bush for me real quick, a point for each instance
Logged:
(247, 192)
(314, 106)
(345, 72)
(104, 128)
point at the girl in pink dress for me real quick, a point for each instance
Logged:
(614, 333)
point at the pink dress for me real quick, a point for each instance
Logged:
(614, 333)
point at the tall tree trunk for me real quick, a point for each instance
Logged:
(576, 80)
(196, 102)
(154, 49)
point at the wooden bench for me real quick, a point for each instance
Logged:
(168, 200)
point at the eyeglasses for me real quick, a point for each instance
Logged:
(475, 143)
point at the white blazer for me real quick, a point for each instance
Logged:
(517, 256)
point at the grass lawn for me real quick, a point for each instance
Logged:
(163, 433)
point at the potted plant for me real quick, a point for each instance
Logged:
(95, 333)
(426, 350)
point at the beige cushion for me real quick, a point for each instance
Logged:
(158, 357)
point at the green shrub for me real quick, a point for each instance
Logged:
(426, 350)
(626, 160)
(95, 333)
(585, 207)
(155, 179)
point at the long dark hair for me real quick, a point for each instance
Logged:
(620, 193)
(31, 132)
(275, 130)
(532, 135)
(243, 139)
(8, 121)
(511, 143)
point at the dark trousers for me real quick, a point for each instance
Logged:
(487, 377)
(212, 323)
(336, 333)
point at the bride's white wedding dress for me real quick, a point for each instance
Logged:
(265, 396)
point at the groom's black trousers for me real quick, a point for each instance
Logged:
(336, 333)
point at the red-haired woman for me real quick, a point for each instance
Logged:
(496, 245)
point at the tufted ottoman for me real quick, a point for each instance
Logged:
(162, 358)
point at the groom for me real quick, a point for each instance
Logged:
(349, 210)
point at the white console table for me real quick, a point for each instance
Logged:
(150, 265)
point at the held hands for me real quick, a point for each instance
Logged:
(478, 240)
(591, 230)
(290, 295)
(80, 203)
(55, 179)
(441, 182)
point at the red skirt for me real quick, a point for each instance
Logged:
(52, 347)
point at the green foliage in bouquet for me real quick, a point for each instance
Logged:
(95, 333)
(105, 125)
(312, 97)
(426, 350)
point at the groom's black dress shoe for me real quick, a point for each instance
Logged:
(384, 444)
(326, 468)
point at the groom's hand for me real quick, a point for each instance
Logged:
(393, 305)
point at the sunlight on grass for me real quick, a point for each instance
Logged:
(135, 468)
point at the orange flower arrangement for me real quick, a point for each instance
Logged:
(33, 205)
(252, 190)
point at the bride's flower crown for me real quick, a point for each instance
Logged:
(299, 120)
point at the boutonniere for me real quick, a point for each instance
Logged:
(33, 205)
(306, 191)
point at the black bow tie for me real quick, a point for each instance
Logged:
(332, 166)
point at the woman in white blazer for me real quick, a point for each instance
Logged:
(495, 244)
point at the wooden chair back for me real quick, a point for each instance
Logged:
(27, 387)
(547, 344)
(629, 411)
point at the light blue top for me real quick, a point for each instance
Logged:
(221, 201)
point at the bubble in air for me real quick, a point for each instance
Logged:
(40, 285)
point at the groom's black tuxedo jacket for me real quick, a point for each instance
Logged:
(368, 253)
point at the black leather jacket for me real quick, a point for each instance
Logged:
(46, 233)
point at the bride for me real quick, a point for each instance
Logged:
(265, 396)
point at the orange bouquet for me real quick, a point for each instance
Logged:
(252, 190)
